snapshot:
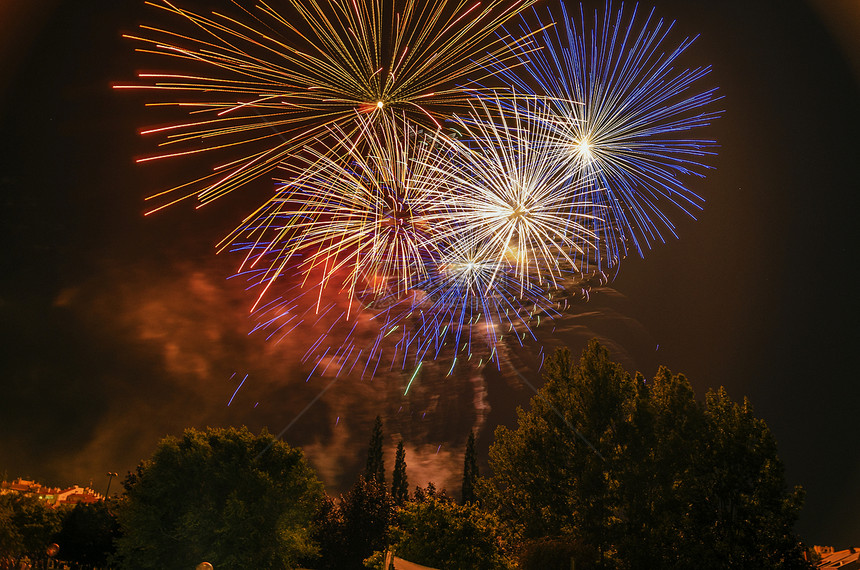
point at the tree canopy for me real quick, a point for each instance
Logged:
(88, 534)
(643, 473)
(435, 531)
(27, 527)
(351, 529)
(224, 496)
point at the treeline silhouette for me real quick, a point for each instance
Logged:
(604, 470)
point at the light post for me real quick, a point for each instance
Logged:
(110, 478)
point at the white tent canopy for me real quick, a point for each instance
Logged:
(400, 564)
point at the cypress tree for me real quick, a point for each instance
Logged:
(399, 485)
(375, 464)
(470, 470)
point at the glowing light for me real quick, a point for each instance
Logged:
(414, 374)
(582, 149)
(511, 193)
(364, 206)
(622, 109)
(398, 237)
(273, 79)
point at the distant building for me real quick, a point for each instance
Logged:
(53, 496)
(843, 559)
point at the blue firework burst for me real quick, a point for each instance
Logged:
(628, 117)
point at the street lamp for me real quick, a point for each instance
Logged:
(110, 478)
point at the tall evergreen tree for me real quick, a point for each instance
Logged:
(470, 470)
(375, 463)
(399, 484)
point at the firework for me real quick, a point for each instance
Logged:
(272, 80)
(470, 303)
(622, 114)
(444, 244)
(511, 193)
(423, 214)
(364, 207)
(465, 307)
(387, 217)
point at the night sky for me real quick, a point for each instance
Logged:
(118, 329)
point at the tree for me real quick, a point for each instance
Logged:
(375, 463)
(88, 534)
(558, 553)
(470, 470)
(553, 474)
(642, 473)
(10, 538)
(741, 504)
(224, 496)
(399, 483)
(27, 527)
(442, 534)
(422, 494)
(350, 530)
(367, 514)
(328, 529)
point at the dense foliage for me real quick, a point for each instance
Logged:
(27, 527)
(604, 470)
(439, 533)
(224, 496)
(555, 553)
(88, 534)
(643, 473)
(351, 529)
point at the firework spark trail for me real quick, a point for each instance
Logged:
(511, 191)
(364, 205)
(622, 112)
(447, 245)
(391, 238)
(471, 304)
(277, 79)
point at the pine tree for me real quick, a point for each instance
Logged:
(470, 470)
(399, 484)
(375, 464)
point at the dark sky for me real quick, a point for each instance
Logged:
(118, 329)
